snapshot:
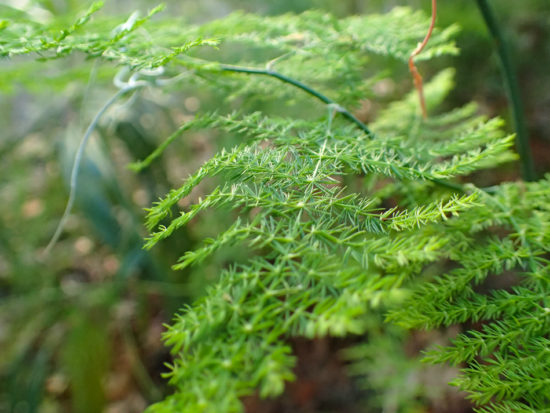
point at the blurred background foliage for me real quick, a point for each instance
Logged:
(80, 329)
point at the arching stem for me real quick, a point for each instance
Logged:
(269, 72)
(76, 166)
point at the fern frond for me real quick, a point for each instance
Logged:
(506, 357)
(392, 34)
(113, 41)
(330, 250)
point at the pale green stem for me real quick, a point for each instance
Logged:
(78, 160)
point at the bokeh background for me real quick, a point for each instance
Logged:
(80, 329)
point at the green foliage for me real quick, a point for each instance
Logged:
(506, 359)
(326, 255)
(114, 41)
(339, 223)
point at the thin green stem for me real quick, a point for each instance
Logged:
(449, 185)
(268, 72)
(514, 96)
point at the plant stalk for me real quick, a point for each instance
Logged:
(512, 87)
(412, 67)
(77, 161)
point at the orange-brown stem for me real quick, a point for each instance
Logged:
(412, 67)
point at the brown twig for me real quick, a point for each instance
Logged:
(414, 71)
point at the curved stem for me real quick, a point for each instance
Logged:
(412, 67)
(267, 72)
(514, 96)
(78, 160)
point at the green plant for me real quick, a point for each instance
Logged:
(341, 220)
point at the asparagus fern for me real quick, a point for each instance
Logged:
(339, 218)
